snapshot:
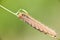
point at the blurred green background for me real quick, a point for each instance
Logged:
(45, 11)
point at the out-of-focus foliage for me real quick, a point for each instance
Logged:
(45, 11)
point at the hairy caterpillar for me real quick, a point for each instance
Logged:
(31, 21)
(36, 24)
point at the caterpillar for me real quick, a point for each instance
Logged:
(36, 24)
(33, 22)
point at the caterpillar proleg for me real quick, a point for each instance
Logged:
(36, 24)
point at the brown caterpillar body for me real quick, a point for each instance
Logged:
(36, 24)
